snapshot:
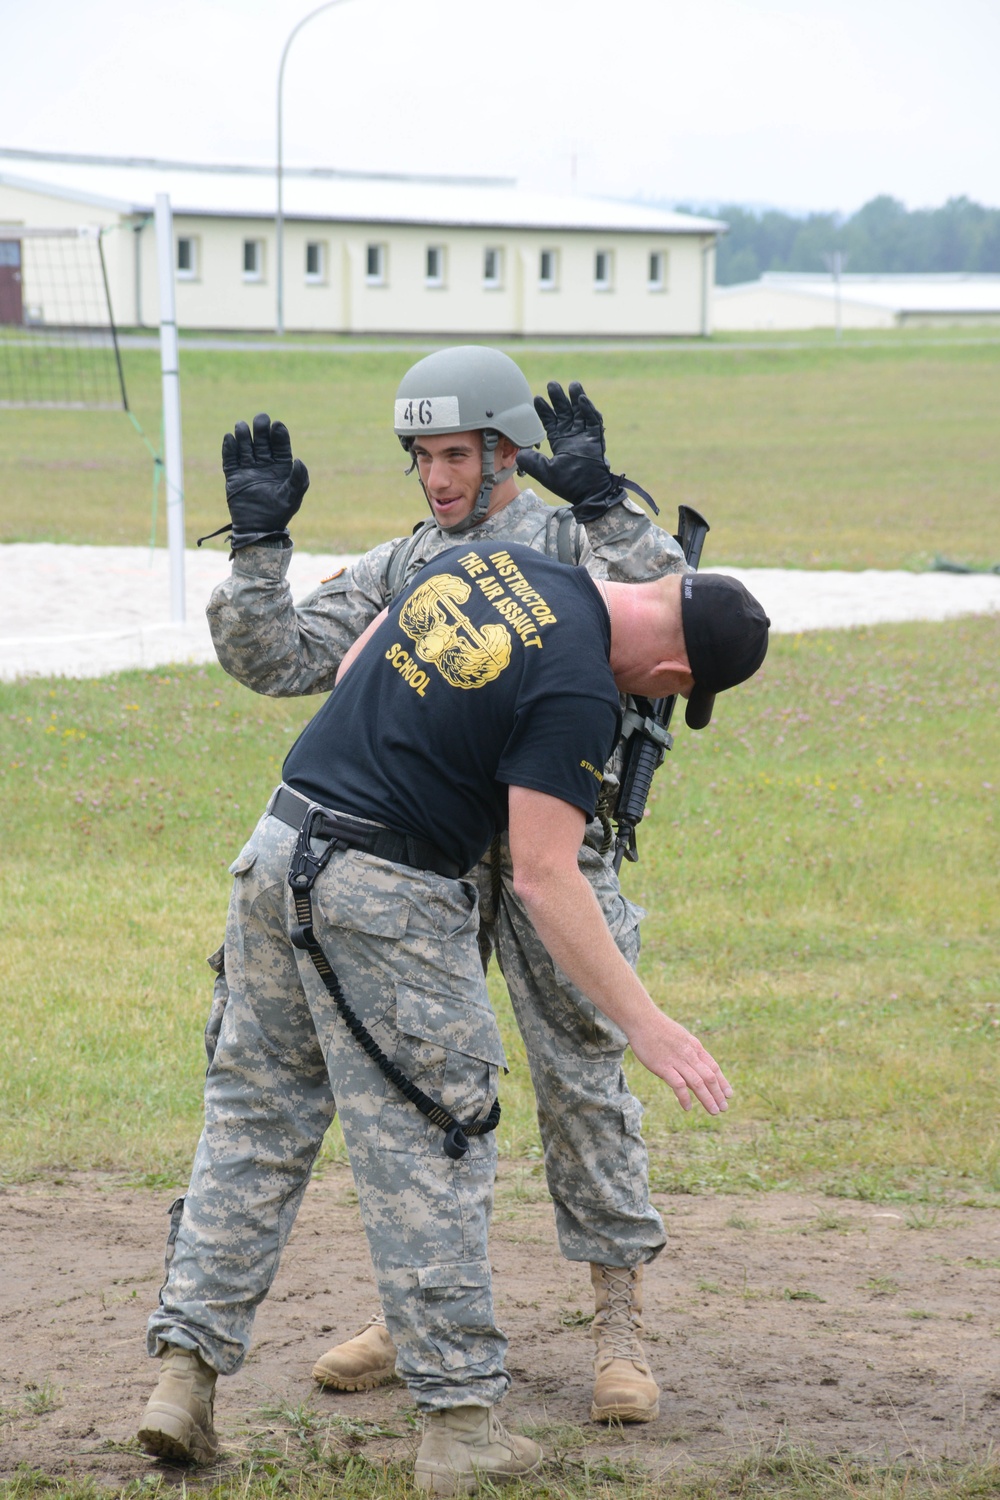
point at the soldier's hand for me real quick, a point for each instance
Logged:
(578, 471)
(264, 483)
(670, 1051)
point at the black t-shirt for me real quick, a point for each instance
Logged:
(491, 670)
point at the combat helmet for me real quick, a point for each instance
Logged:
(469, 388)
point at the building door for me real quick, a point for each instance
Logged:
(11, 310)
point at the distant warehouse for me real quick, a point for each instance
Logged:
(789, 300)
(372, 254)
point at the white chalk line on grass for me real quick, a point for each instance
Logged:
(89, 611)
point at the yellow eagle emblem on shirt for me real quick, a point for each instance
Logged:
(466, 655)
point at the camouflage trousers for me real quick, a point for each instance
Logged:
(596, 1163)
(403, 943)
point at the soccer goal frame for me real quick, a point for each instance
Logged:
(59, 348)
(60, 340)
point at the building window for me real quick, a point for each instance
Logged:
(492, 267)
(547, 270)
(603, 263)
(434, 266)
(253, 260)
(375, 265)
(315, 262)
(657, 271)
(187, 258)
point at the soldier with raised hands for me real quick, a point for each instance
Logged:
(484, 700)
(467, 420)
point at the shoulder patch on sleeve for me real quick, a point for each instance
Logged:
(333, 576)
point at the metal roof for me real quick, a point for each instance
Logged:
(129, 187)
(899, 293)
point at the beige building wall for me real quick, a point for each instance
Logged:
(216, 291)
(43, 211)
(760, 308)
(343, 298)
(49, 211)
(950, 319)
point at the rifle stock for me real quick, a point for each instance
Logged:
(647, 721)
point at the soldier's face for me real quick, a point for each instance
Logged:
(451, 467)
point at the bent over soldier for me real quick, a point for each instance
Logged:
(354, 971)
(466, 418)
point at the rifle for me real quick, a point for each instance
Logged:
(646, 723)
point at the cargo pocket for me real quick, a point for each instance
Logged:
(451, 1048)
(444, 937)
(176, 1212)
(636, 1156)
(437, 1283)
(379, 913)
(603, 1167)
(220, 996)
(622, 916)
(350, 911)
(455, 1312)
(244, 861)
(448, 910)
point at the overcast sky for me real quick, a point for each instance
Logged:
(806, 104)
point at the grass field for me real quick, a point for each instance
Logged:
(880, 452)
(819, 866)
(306, 1468)
(820, 869)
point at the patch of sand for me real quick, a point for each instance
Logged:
(87, 611)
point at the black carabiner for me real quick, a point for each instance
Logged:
(305, 865)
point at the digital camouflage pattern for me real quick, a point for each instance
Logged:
(404, 945)
(267, 643)
(595, 1161)
(596, 1164)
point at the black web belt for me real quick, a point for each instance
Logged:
(304, 867)
(352, 833)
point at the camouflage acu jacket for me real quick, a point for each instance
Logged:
(276, 647)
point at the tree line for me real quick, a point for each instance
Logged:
(882, 236)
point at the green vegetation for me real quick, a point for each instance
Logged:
(819, 865)
(823, 910)
(53, 369)
(297, 1452)
(878, 453)
(819, 869)
(881, 236)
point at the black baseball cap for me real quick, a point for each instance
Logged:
(725, 635)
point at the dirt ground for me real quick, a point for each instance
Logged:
(851, 1328)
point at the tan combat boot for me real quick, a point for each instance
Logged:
(360, 1364)
(466, 1443)
(624, 1388)
(177, 1422)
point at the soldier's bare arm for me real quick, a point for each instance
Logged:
(360, 644)
(545, 836)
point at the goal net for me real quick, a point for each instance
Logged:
(58, 342)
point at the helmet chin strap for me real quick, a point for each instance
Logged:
(491, 476)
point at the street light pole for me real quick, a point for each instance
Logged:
(279, 222)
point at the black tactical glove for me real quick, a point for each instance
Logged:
(264, 484)
(578, 471)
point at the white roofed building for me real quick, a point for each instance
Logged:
(799, 300)
(374, 254)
